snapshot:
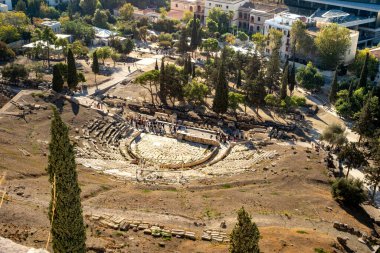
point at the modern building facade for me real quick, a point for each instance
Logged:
(365, 15)
(283, 22)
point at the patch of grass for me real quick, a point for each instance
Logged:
(147, 191)
(301, 232)
(105, 187)
(117, 234)
(226, 186)
(242, 190)
(211, 213)
(205, 196)
(38, 95)
(275, 193)
(320, 250)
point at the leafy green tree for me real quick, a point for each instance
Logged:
(234, 99)
(285, 81)
(9, 33)
(78, 48)
(364, 73)
(72, 76)
(349, 191)
(95, 66)
(220, 103)
(242, 36)
(335, 135)
(360, 59)
(63, 43)
(332, 42)
(174, 83)
(126, 11)
(273, 70)
(221, 18)
(104, 53)
(352, 157)
(65, 211)
(100, 19)
(20, 6)
(210, 45)
(34, 7)
(212, 26)
(245, 235)
(6, 53)
(79, 29)
(309, 77)
(334, 88)
(195, 92)
(88, 6)
(57, 79)
(301, 41)
(149, 81)
(260, 42)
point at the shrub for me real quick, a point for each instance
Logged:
(348, 191)
(14, 72)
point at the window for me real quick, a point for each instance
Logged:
(176, 5)
(226, 6)
(258, 18)
(258, 28)
(252, 19)
(240, 15)
(209, 4)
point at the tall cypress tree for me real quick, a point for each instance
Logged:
(65, 211)
(365, 125)
(182, 43)
(364, 73)
(72, 77)
(156, 66)
(162, 81)
(57, 79)
(238, 81)
(285, 81)
(245, 235)
(95, 66)
(334, 88)
(194, 34)
(253, 67)
(292, 78)
(220, 103)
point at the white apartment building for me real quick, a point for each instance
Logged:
(8, 3)
(54, 25)
(284, 21)
(3, 8)
(227, 6)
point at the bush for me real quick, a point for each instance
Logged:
(348, 191)
(14, 72)
(6, 53)
(309, 77)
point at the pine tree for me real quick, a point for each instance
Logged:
(72, 77)
(254, 66)
(292, 78)
(95, 66)
(220, 103)
(245, 235)
(364, 73)
(364, 125)
(182, 43)
(194, 34)
(156, 66)
(285, 81)
(273, 70)
(57, 79)
(65, 211)
(238, 81)
(334, 88)
(162, 80)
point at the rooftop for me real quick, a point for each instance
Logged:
(50, 23)
(354, 5)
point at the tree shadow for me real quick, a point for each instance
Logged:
(75, 108)
(59, 103)
(359, 213)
